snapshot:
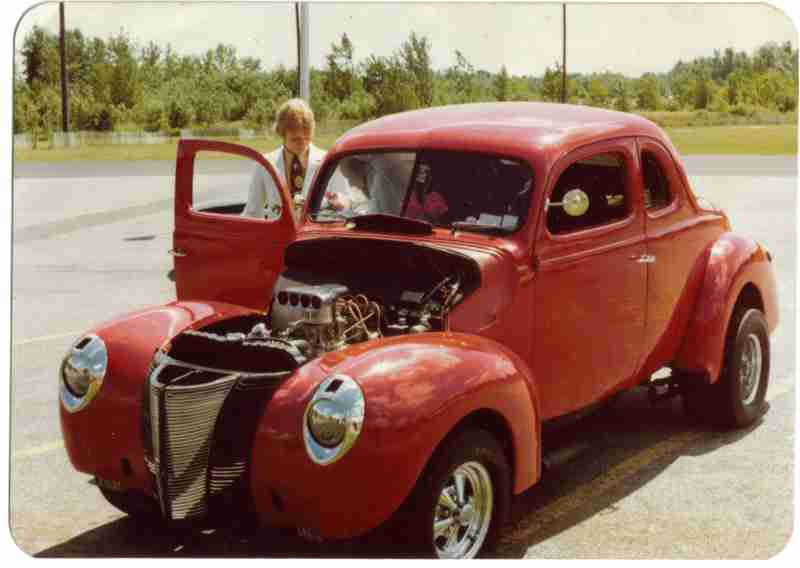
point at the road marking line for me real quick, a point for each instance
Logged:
(47, 337)
(590, 491)
(785, 385)
(616, 475)
(38, 450)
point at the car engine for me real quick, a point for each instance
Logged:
(322, 318)
(314, 310)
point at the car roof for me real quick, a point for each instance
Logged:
(515, 127)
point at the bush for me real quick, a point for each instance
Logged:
(178, 112)
(26, 114)
(154, 117)
(325, 108)
(120, 114)
(261, 115)
(743, 109)
(358, 106)
(104, 119)
(701, 118)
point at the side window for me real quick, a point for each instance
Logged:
(656, 187)
(223, 183)
(602, 179)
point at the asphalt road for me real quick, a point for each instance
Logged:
(636, 481)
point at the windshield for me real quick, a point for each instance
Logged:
(459, 190)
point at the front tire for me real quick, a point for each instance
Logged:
(136, 505)
(462, 500)
(737, 399)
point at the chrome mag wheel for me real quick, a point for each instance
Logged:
(463, 512)
(750, 368)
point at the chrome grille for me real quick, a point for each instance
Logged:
(185, 416)
(154, 425)
(190, 413)
(221, 478)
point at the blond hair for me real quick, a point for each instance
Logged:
(294, 114)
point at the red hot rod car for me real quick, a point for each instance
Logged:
(494, 267)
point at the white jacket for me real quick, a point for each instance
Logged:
(263, 195)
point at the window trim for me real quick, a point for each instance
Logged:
(607, 147)
(331, 162)
(672, 173)
(672, 204)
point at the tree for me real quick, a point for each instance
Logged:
(551, 84)
(502, 86)
(648, 96)
(388, 81)
(598, 93)
(25, 112)
(704, 91)
(339, 78)
(224, 58)
(460, 83)
(78, 64)
(40, 58)
(124, 67)
(621, 94)
(151, 68)
(415, 54)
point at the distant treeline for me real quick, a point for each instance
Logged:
(118, 84)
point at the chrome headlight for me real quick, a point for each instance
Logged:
(333, 419)
(82, 372)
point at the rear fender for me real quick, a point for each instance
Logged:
(734, 262)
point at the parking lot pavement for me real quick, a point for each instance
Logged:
(642, 482)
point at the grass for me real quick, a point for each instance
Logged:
(130, 152)
(772, 139)
(768, 139)
(747, 116)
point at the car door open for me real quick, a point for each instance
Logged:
(219, 254)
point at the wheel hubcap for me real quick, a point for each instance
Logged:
(750, 369)
(463, 512)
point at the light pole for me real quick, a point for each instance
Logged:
(564, 53)
(301, 19)
(63, 55)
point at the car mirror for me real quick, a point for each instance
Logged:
(575, 203)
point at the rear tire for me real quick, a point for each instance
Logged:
(737, 399)
(462, 500)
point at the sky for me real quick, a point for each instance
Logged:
(627, 38)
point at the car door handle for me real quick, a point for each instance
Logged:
(644, 258)
(177, 252)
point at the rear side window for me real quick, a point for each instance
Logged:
(656, 187)
(602, 179)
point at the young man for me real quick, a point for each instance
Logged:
(296, 161)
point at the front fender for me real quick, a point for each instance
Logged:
(733, 263)
(416, 389)
(107, 431)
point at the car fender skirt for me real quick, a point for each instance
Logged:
(734, 263)
(107, 431)
(417, 390)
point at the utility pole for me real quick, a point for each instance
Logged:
(301, 19)
(305, 86)
(63, 54)
(299, 51)
(564, 54)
